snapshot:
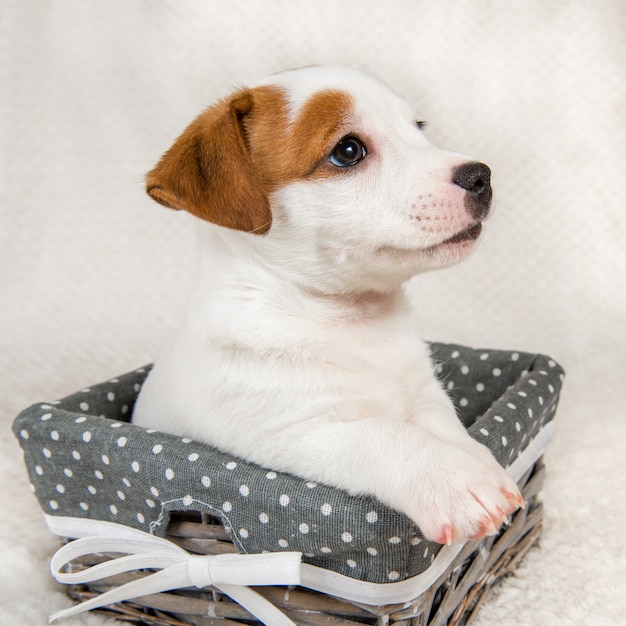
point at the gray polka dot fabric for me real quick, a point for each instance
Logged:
(86, 460)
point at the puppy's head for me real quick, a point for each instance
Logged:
(331, 167)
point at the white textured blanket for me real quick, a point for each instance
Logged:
(94, 275)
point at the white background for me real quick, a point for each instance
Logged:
(94, 275)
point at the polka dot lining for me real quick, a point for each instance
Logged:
(85, 460)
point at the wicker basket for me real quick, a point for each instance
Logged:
(453, 599)
(89, 466)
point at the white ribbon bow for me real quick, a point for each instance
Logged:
(230, 573)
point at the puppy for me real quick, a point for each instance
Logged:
(317, 196)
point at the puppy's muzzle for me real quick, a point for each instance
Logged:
(475, 178)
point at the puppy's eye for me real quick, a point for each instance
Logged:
(349, 151)
(421, 125)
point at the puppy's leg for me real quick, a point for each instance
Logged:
(468, 493)
(451, 486)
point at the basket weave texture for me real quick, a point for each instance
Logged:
(87, 462)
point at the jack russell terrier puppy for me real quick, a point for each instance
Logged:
(317, 198)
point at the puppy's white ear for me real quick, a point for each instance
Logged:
(209, 173)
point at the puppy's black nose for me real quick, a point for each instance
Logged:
(475, 178)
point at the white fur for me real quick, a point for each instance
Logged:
(300, 349)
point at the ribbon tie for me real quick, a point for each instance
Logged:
(232, 574)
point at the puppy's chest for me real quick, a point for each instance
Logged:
(372, 372)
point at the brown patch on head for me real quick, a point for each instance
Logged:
(231, 157)
(284, 149)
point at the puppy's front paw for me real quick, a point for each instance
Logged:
(465, 494)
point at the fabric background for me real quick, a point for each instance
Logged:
(94, 275)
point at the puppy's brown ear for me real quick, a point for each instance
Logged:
(208, 171)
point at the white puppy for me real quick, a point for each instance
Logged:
(318, 196)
